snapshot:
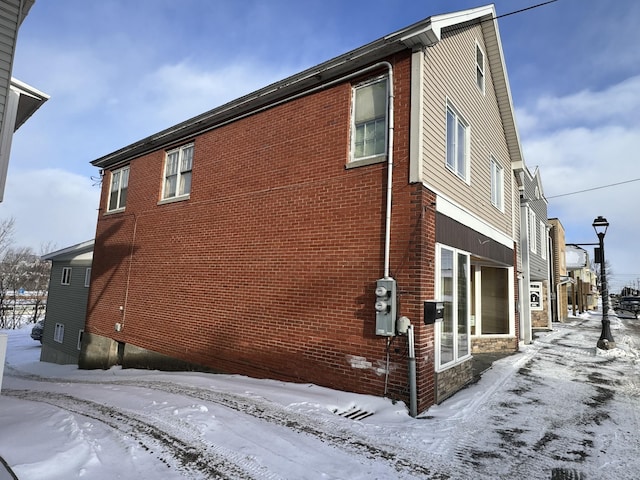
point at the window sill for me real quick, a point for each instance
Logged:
(454, 363)
(111, 212)
(181, 198)
(361, 162)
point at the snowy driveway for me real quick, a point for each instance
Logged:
(557, 410)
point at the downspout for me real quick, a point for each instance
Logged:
(387, 230)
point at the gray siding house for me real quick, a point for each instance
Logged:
(535, 304)
(67, 303)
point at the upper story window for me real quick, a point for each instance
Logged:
(457, 144)
(497, 185)
(533, 230)
(543, 240)
(369, 119)
(177, 172)
(66, 276)
(87, 277)
(479, 68)
(118, 190)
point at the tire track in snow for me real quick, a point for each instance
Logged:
(174, 445)
(404, 460)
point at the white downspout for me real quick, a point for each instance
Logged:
(387, 230)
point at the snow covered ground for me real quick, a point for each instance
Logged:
(559, 409)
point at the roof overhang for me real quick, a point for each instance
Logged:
(417, 36)
(71, 252)
(30, 101)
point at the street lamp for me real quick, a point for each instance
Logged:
(606, 341)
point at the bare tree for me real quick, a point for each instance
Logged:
(6, 239)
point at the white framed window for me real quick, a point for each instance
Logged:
(80, 335)
(369, 119)
(457, 144)
(497, 185)
(479, 68)
(66, 276)
(543, 240)
(533, 231)
(118, 189)
(87, 277)
(453, 287)
(177, 172)
(58, 333)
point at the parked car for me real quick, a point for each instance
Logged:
(629, 304)
(36, 331)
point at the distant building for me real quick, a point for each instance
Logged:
(67, 303)
(18, 101)
(583, 292)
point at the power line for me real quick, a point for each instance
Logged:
(594, 188)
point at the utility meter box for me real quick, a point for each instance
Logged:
(386, 307)
(433, 311)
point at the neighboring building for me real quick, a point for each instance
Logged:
(560, 280)
(67, 303)
(260, 237)
(534, 253)
(583, 292)
(18, 101)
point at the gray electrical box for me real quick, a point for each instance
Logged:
(386, 306)
(433, 311)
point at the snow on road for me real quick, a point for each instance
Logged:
(559, 409)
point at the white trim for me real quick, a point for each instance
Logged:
(66, 276)
(438, 326)
(416, 147)
(483, 69)
(460, 119)
(450, 209)
(58, 333)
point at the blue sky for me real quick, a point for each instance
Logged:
(119, 70)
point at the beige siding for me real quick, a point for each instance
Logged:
(450, 75)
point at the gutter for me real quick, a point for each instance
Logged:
(422, 34)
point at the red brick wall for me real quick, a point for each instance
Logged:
(269, 268)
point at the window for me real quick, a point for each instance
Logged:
(58, 334)
(118, 190)
(66, 276)
(457, 144)
(533, 240)
(497, 185)
(369, 128)
(479, 68)
(543, 240)
(80, 335)
(177, 172)
(452, 334)
(87, 277)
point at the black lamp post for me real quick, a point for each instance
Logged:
(606, 341)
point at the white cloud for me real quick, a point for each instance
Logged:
(617, 105)
(582, 142)
(50, 205)
(175, 92)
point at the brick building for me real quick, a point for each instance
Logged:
(251, 239)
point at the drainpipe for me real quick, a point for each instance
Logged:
(387, 230)
(413, 396)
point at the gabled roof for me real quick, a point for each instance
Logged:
(417, 36)
(71, 252)
(30, 101)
